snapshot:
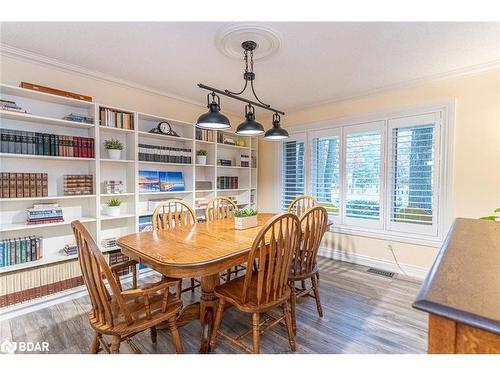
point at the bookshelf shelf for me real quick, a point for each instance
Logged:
(233, 189)
(124, 216)
(116, 161)
(224, 145)
(43, 157)
(205, 165)
(231, 167)
(22, 226)
(49, 198)
(207, 142)
(117, 194)
(162, 163)
(165, 192)
(163, 137)
(115, 130)
(205, 191)
(156, 118)
(27, 117)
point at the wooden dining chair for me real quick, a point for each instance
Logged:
(304, 265)
(259, 291)
(220, 208)
(122, 313)
(174, 213)
(301, 204)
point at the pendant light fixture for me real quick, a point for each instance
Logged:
(250, 126)
(276, 133)
(214, 120)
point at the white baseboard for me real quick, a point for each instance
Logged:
(414, 272)
(52, 299)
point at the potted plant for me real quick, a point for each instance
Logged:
(244, 219)
(201, 157)
(114, 147)
(113, 207)
(494, 217)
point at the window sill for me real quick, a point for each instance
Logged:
(382, 235)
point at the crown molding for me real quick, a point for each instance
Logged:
(465, 71)
(25, 55)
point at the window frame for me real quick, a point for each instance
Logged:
(297, 137)
(443, 171)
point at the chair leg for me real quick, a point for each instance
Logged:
(256, 332)
(217, 321)
(95, 343)
(228, 274)
(303, 284)
(316, 296)
(293, 305)
(176, 338)
(153, 334)
(289, 328)
(115, 345)
(134, 276)
(192, 285)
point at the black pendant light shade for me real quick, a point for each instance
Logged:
(213, 119)
(250, 126)
(276, 133)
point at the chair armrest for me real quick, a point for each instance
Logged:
(122, 265)
(160, 285)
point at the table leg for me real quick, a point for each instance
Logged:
(208, 306)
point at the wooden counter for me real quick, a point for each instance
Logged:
(462, 290)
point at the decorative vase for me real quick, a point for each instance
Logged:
(242, 223)
(114, 154)
(201, 159)
(113, 210)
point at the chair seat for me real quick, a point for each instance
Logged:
(138, 312)
(299, 272)
(232, 290)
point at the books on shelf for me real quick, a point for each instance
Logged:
(113, 187)
(78, 184)
(116, 119)
(244, 160)
(34, 143)
(254, 161)
(200, 203)
(225, 162)
(20, 250)
(164, 154)
(227, 182)
(44, 214)
(108, 243)
(70, 249)
(157, 181)
(204, 135)
(203, 185)
(8, 105)
(23, 185)
(79, 118)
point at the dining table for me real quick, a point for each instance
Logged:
(203, 250)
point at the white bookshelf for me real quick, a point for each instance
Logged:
(46, 112)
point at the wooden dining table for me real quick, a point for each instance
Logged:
(202, 250)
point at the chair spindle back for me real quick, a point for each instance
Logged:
(301, 204)
(220, 208)
(173, 213)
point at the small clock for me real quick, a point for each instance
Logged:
(165, 129)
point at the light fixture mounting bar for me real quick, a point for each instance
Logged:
(221, 92)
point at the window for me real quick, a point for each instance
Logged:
(379, 177)
(362, 176)
(326, 172)
(412, 198)
(292, 171)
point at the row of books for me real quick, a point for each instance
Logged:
(23, 185)
(203, 185)
(227, 182)
(8, 105)
(204, 135)
(33, 143)
(78, 184)
(113, 187)
(164, 154)
(79, 118)
(116, 119)
(44, 214)
(20, 250)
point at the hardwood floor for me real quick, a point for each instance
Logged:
(363, 313)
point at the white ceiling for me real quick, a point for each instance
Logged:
(316, 62)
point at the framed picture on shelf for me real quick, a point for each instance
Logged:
(149, 181)
(171, 181)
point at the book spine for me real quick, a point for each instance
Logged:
(17, 142)
(2, 260)
(26, 185)
(52, 145)
(56, 145)
(19, 185)
(5, 185)
(32, 179)
(46, 144)
(45, 185)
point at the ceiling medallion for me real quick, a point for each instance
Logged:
(228, 39)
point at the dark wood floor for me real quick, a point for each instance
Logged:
(364, 313)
